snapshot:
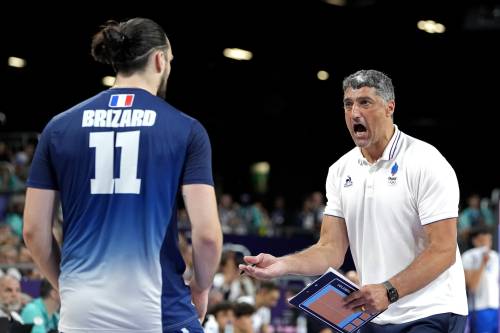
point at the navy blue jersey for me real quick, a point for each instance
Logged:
(118, 161)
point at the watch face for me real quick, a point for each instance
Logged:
(393, 295)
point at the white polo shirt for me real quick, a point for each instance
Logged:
(385, 206)
(486, 295)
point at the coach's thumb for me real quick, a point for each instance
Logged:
(254, 259)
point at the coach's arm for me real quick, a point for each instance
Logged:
(438, 255)
(329, 251)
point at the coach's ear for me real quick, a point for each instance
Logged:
(389, 109)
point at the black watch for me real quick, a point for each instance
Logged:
(392, 293)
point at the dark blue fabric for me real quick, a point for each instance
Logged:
(440, 323)
(484, 321)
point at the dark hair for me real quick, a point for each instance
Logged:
(476, 231)
(373, 79)
(243, 309)
(45, 288)
(221, 306)
(126, 45)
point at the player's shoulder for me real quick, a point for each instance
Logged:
(61, 120)
(172, 114)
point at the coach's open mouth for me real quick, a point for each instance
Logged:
(358, 128)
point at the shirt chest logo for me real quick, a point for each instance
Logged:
(392, 179)
(348, 181)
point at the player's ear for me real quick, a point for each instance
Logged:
(159, 60)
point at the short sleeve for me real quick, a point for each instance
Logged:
(198, 164)
(42, 174)
(438, 193)
(333, 205)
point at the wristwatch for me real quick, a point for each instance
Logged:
(392, 293)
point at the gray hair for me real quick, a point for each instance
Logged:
(371, 78)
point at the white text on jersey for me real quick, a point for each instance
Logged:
(118, 118)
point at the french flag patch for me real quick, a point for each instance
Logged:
(121, 100)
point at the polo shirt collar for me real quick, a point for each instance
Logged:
(389, 151)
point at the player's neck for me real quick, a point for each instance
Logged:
(136, 81)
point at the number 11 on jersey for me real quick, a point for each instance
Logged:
(104, 144)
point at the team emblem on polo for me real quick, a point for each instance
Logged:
(392, 179)
(348, 181)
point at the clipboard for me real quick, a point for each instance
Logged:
(322, 298)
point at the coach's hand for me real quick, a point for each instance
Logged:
(263, 267)
(199, 298)
(371, 298)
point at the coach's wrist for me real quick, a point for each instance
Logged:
(392, 292)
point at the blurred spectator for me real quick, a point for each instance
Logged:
(220, 318)
(5, 154)
(263, 227)
(228, 280)
(228, 215)
(278, 214)
(243, 318)
(318, 207)
(14, 216)
(9, 181)
(473, 216)
(10, 298)
(481, 276)
(215, 296)
(7, 237)
(306, 217)
(43, 311)
(265, 299)
(22, 161)
(8, 256)
(250, 214)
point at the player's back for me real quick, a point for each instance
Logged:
(118, 160)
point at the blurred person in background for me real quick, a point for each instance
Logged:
(8, 256)
(243, 314)
(473, 216)
(266, 298)
(220, 318)
(228, 280)
(14, 216)
(42, 312)
(10, 298)
(228, 214)
(481, 276)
